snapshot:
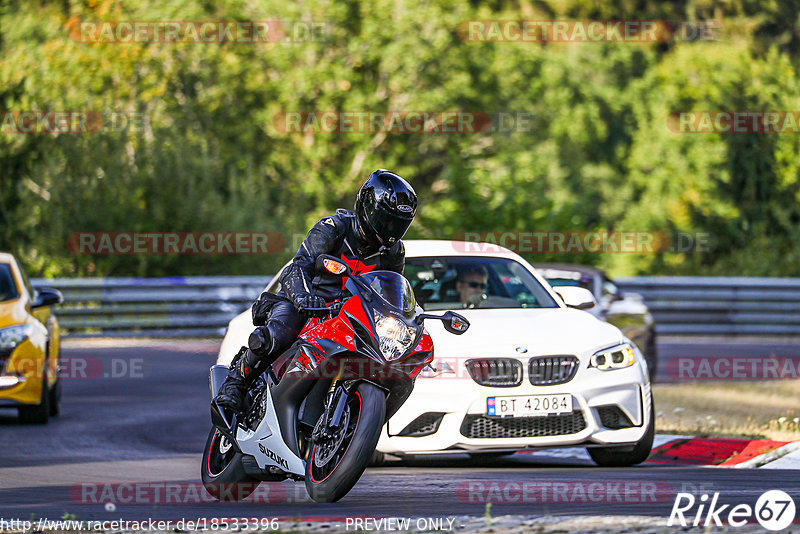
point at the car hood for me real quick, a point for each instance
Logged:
(540, 331)
(12, 312)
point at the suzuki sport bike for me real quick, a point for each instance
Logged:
(316, 414)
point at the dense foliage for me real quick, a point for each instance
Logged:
(190, 141)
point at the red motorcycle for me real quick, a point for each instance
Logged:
(317, 414)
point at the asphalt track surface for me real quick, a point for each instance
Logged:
(140, 416)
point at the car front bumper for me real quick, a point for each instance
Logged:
(21, 376)
(597, 396)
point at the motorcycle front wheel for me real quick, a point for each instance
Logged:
(335, 464)
(222, 472)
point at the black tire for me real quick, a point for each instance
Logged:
(491, 455)
(222, 472)
(367, 413)
(37, 414)
(378, 459)
(651, 357)
(619, 456)
(55, 399)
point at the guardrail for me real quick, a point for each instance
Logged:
(153, 307)
(202, 306)
(720, 305)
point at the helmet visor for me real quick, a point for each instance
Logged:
(389, 226)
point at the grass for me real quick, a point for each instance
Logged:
(767, 409)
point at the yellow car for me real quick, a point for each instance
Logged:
(29, 345)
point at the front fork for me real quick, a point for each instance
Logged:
(331, 417)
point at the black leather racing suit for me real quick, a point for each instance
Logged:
(338, 236)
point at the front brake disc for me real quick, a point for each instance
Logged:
(327, 447)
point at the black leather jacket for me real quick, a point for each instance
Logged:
(338, 236)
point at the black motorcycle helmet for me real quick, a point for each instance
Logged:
(385, 206)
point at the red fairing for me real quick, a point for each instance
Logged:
(337, 329)
(425, 343)
(311, 323)
(353, 307)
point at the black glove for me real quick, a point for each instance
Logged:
(303, 302)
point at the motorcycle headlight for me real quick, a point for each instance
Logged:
(394, 336)
(618, 357)
(14, 335)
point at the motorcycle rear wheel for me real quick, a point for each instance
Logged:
(222, 472)
(331, 481)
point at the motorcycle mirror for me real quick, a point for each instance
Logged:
(332, 265)
(455, 323)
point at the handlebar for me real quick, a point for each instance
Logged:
(334, 307)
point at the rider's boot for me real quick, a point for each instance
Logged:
(246, 366)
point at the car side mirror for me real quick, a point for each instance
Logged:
(576, 297)
(47, 296)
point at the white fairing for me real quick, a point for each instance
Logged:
(520, 333)
(268, 436)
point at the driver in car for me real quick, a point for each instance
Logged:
(471, 284)
(367, 239)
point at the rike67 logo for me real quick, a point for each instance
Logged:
(774, 510)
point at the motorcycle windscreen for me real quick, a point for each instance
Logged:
(393, 288)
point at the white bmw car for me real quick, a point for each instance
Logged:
(531, 372)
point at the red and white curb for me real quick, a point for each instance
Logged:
(579, 453)
(728, 452)
(690, 450)
(785, 457)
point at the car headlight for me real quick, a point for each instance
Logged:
(618, 357)
(394, 336)
(14, 335)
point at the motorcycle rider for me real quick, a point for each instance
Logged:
(366, 239)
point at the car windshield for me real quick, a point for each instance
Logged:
(392, 288)
(8, 288)
(455, 282)
(563, 277)
(585, 283)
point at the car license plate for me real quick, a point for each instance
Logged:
(528, 405)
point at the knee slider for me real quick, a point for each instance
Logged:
(260, 341)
